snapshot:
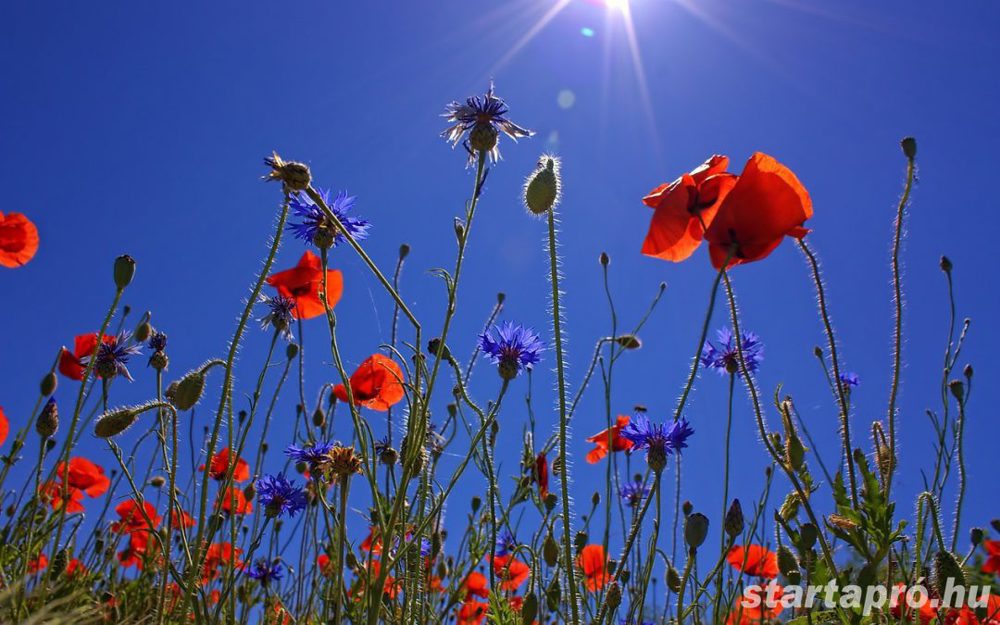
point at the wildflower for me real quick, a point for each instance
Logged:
(634, 492)
(514, 347)
(221, 463)
(280, 314)
(724, 358)
(594, 564)
(601, 439)
(544, 186)
(925, 611)
(510, 571)
(324, 563)
(234, 501)
(112, 356)
(472, 612)
(303, 284)
(475, 585)
(505, 543)
(75, 568)
(542, 476)
(992, 564)
(71, 364)
(5, 424)
(342, 462)
(317, 228)
(754, 560)
(219, 555)
(376, 384)
(755, 606)
(82, 476)
(850, 380)
(313, 455)
(180, 518)
(767, 203)
(18, 240)
(157, 343)
(38, 564)
(658, 439)
(683, 208)
(136, 552)
(131, 518)
(294, 176)
(483, 119)
(266, 572)
(280, 496)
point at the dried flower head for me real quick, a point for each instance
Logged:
(295, 176)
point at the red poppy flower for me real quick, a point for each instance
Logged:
(376, 384)
(323, 562)
(18, 240)
(475, 584)
(38, 564)
(70, 363)
(767, 203)
(136, 553)
(75, 568)
(925, 611)
(371, 542)
(758, 610)
(303, 283)
(472, 612)
(759, 561)
(219, 555)
(681, 207)
(992, 564)
(511, 572)
(220, 464)
(83, 476)
(600, 440)
(594, 563)
(131, 519)
(180, 518)
(390, 587)
(52, 492)
(233, 501)
(4, 426)
(542, 476)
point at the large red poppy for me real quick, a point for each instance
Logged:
(85, 476)
(71, 362)
(472, 612)
(767, 203)
(754, 560)
(511, 572)
(220, 464)
(131, 519)
(233, 501)
(303, 284)
(594, 564)
(757, 610)
(4, 427)
(136, 552)
(376, 384)
(18, 240)
(476, 585)
(600, 441)
(683, 206)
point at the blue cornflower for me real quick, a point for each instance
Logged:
(157, 341)
(658, 439)
(266, 572)
(279, 496)
(279, 315)
(113, 355)
(425, 547)
(312, 455)
(850, 380)
(317, 228)
(506, 543)
(515, 347)
(483, 118)
(633, 493)
(725, 358)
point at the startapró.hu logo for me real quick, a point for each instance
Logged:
(915, 598)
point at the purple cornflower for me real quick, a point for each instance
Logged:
(506, 543)
(425, 547)
(157, 341)
(113, 355)
(279, 496)
(311, 455)
(633, 493)
(483, 118)
(850, 380)
(515, 347)
(725, 357)
(317, 228)
(266, 572)
(279, 314)
(658, 439)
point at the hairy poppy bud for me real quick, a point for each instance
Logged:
(124, 271)
(733, 524)
(790, 506)
(542, 188)
(529, 608)
(295, 176)
(967, 371)
(946, 567)
(483, 137)
(596, 498)
(157, 481)
(629, 341)
(435, 346)
(114, 422)
(946, 265)
(553, 595)
(189, 390)
(909, 145)
(673, 580)
(142, 332)
(787, 563)
(614, 597)
(550, 550)
(976, 536)
(807, 536)
(319, 417)
(550, 502)
(818, 351)
(695, 529)
(291, 351)
(49, 384)
(580, 540)
(47, 423)
(404, 251)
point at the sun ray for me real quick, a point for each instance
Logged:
(531, 33)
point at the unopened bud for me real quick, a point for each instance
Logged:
(629, 341)
(614, 598)
(404, 251)
(733, 524)
(976, 536)
(157, 481)
(115, 422)
(143, 331)
(49, 384)
(541, 190)
(909, 145)
(946, 567)
(550, 550)
(673, 580)
(787, 563)
(124, 271)
(946, 265)
(291, 351)
(189, 390)
(604, 259)
(529, 608)
(695, 529)
(957, 390)
(47, 423)
(319, 417)
(687, 508)
(295, 176)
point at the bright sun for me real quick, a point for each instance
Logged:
(619, 5)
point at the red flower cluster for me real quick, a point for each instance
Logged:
(218, 556)
(132, 522)
(743, 218)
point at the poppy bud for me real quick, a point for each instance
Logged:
(673, 580)
(946, 567)
(483, 137)
(189, 390)
(541, 189)
(157, 481)
(629, 341)
(49, 384)
(49, 444)
(476, 502)
(733, 524)
(550, 502)
(967, 371)
(142, 331)
(957, 390)
(807, 536)
(319, 417)
(695, 529)
(946, 265)
(435, 347)
(529, 608)
(550, 550)
(596, 498)
(47, 423)
(604, 259)
(580, 540)
(404, 251)
(250, 492)
(687, 508)
(909, 145)
(115, 422)
(501, 296)
(553, 595)
(976, 536)
(614, 597)
(291, 351)
(818, 351)
(787, 563)
(124, 271)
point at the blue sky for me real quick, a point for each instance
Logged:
(140, 129)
